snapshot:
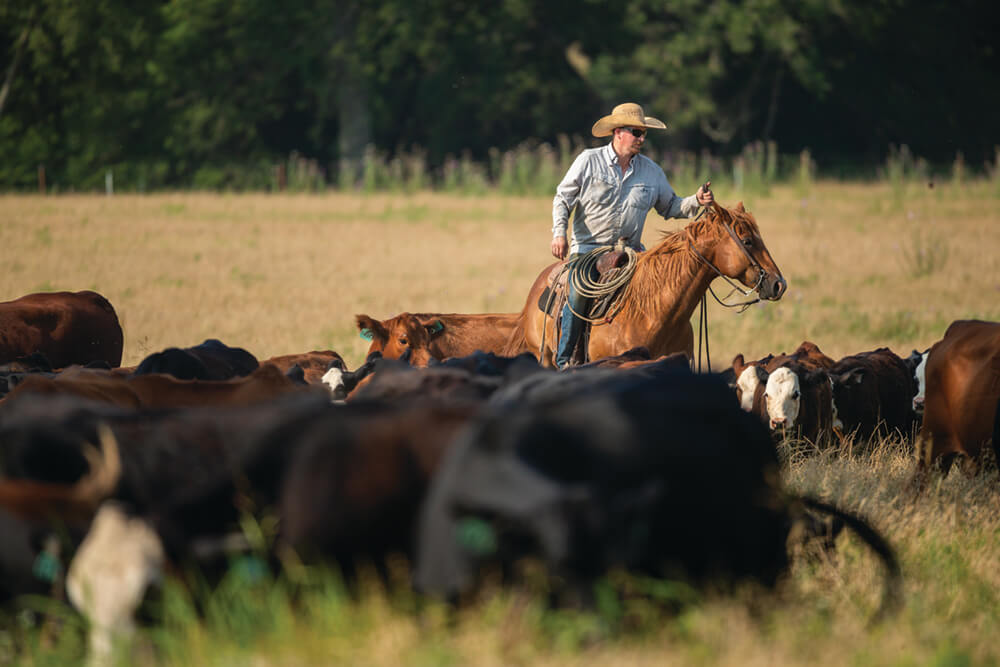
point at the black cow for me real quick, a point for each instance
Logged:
(664, 476)
(873, 394)
(210, 360)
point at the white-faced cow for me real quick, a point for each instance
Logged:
(797, 395)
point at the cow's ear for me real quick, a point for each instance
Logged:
(853, 376)
(435, 327)
(370, 329)
(739, 361)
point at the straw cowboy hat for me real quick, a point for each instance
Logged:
(630, 114)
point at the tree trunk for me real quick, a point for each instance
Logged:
(22, 42)
(355, 128)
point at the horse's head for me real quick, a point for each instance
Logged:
(740, 252)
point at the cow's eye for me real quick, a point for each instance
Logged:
(795, 395)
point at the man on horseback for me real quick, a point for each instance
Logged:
(611, 189)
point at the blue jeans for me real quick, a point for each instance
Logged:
(572, 326)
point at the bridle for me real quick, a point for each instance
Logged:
(743, 305)
(761, 272)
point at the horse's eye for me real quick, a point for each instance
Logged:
(748, 241)
(403, 341)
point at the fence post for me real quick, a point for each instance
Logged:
(282, 177)
(109, 183)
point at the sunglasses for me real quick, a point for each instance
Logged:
(636, 132)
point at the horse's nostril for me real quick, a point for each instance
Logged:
(780, 287)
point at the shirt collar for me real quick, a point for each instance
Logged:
(610, 155)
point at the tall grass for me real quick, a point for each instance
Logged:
(945, 539)
(533, 168)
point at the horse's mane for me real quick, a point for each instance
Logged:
(673, 240)
(667, 259)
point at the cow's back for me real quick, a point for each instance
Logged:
(465, 334)
(67, 327)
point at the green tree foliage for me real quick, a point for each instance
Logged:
(165, 91)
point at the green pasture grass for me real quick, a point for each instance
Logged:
(284, 273)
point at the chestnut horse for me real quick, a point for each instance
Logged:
(669, 281)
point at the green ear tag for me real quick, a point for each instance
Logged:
(437, 327)
(46, 567)
(477, 536)
(367, 334)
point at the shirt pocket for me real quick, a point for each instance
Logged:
(600, 192)
(640, 197)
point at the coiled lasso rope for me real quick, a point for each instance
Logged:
(606, 295)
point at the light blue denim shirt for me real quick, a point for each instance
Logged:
(609, 204)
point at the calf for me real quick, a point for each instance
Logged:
(748, 380)
(781, 401)
(67, 327)
(873, 394)
(436, 335)
(799, 400)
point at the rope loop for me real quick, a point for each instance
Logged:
(606, 294)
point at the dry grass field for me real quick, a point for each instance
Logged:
(868, 265)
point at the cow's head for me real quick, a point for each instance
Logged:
(918, 361)
(781, 395)
(404, 336)
(788, 390)
(750, 378)
(843, 390)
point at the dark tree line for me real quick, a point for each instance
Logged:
(164, 88)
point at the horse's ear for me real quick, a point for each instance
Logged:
(740, 209)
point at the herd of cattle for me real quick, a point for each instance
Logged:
(439, 448)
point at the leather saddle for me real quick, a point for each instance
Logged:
(557, 280)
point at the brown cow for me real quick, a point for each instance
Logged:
(314, 364)
(873, 394)
(162, 391)
(962, 391)
(67, 327)
(436, 335)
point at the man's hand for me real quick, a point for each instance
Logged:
(704, 195)
(559, 247)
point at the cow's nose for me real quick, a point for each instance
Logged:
(775, 423)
